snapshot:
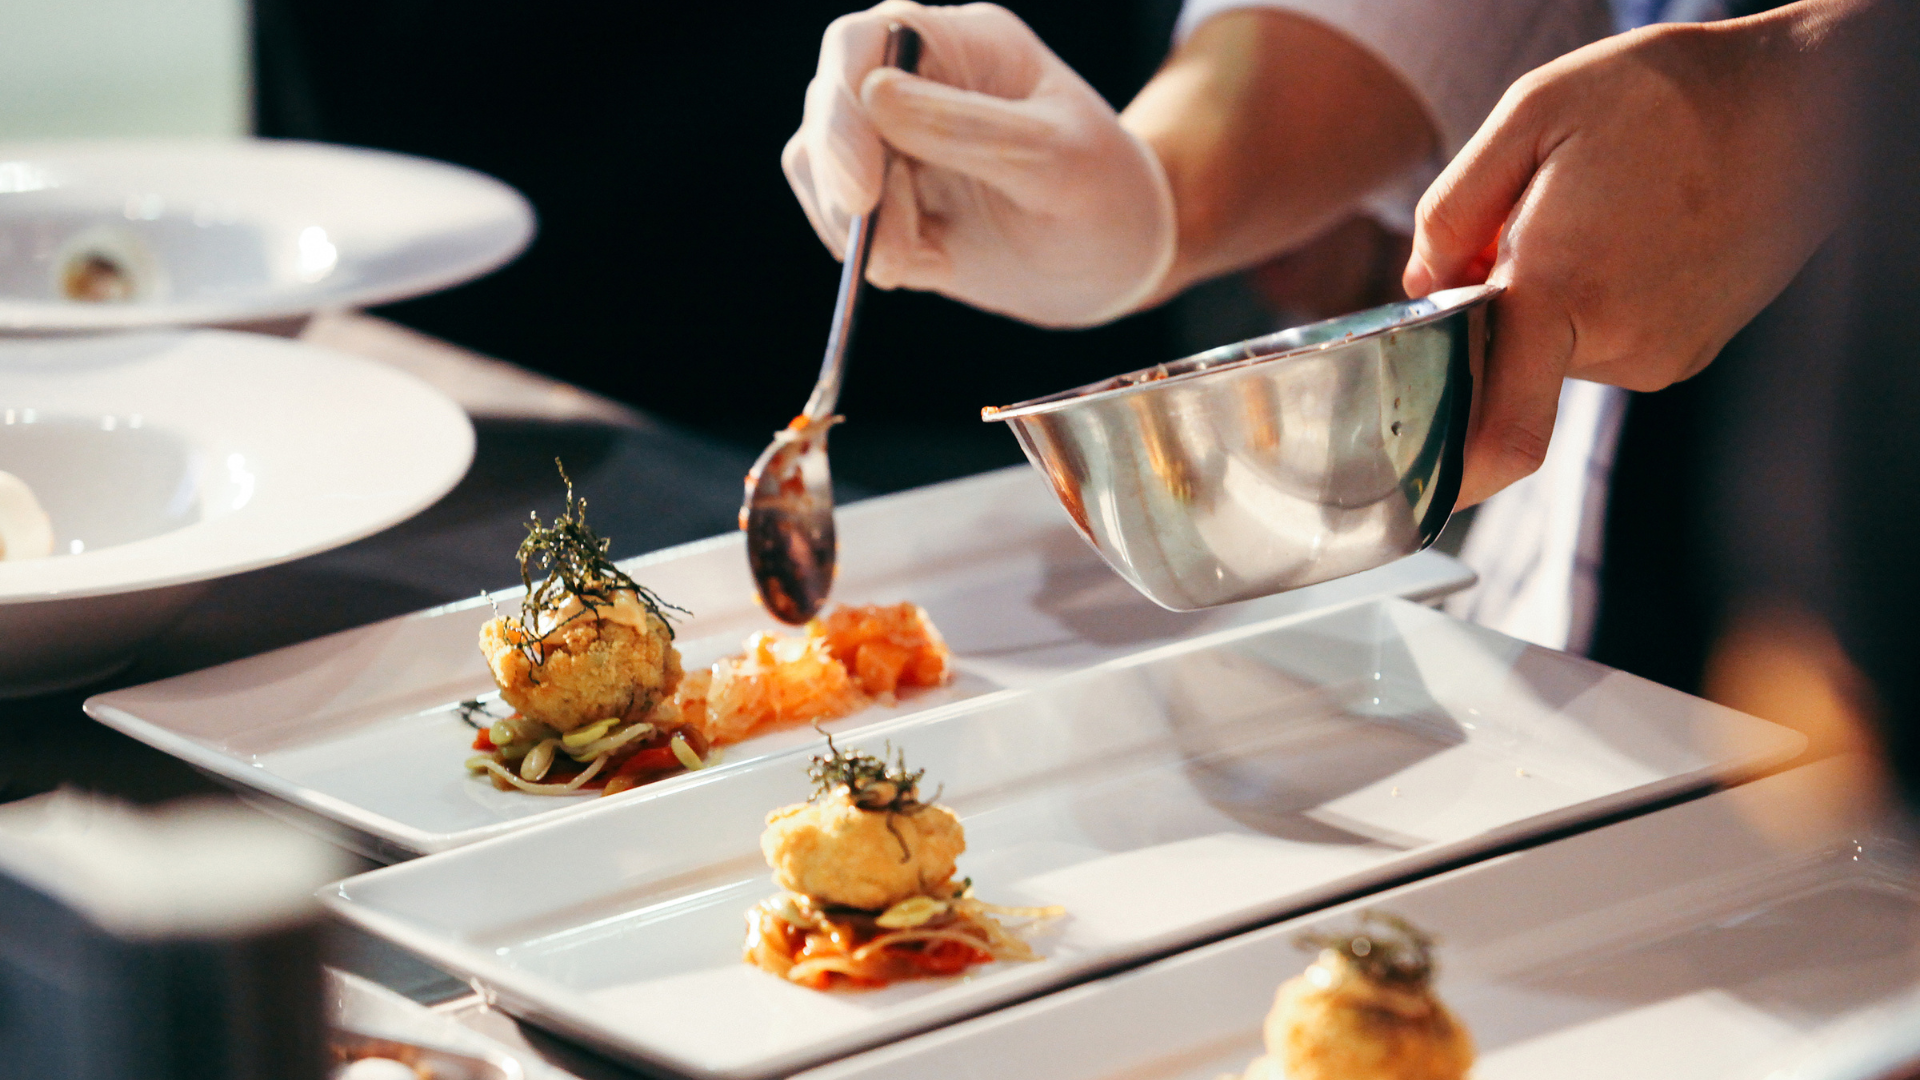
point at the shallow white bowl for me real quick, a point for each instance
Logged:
(166, 459)
(226, 231)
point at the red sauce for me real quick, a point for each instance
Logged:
(776, 946)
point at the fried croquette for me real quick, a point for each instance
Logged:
(1351, 1017)
(611, 662)
(838, 853)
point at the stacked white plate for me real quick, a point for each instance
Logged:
(1164, 799)
(167, 459)
(111, 234)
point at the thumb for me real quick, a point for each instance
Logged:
(1005, 144)
(1517, 391)
(1457, 225)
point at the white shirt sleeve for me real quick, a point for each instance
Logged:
(1457, 57)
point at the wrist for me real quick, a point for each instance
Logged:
(1164, 247)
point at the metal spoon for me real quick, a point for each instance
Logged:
(788, 512)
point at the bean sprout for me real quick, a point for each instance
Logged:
(567, 788)
(602, 747)
(538, 760)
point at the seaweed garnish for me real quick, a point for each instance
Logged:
(571, 561)
(470, 708)
(873, 783)
(1384, 947)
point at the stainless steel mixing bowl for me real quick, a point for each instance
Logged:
(1279, 462)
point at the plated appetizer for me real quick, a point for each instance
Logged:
(869, 899)
(1364, 1010)
(590, 669)
(599, 695)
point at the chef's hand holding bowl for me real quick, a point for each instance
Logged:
(1649, 194)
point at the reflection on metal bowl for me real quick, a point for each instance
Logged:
(1276, 463)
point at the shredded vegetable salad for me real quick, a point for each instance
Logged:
(822, 947)
(610, 756)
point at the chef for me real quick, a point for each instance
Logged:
(1020, 191)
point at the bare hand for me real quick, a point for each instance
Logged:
(1649, 194)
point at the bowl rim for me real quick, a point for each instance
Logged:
(1441, 305)
(333, 479)
(504, 207)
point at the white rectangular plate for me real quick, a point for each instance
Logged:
(1712, 940)
(1162, 799)
(360, 733)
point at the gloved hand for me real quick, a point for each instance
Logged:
(1013, 186)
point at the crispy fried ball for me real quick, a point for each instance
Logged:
(836, 853)
(1335, 1023)
(593, 668)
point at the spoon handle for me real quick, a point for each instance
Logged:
(903, 52)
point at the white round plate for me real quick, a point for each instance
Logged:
(168, 458)
(102, 234)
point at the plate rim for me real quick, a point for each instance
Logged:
(267, 357)
(515, 210)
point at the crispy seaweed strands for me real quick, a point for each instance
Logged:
(1385, 948)
(572, 562)
(871, 782)
(474, 713)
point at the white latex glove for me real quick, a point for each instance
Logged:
(1014, 188)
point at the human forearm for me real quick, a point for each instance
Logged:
(1271, 126)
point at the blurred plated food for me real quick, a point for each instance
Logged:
(105, 234)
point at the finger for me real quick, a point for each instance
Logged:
(1014, 146)
(1418, 280)
(906, 249)
(843, 150)
(1460, 215)
(793, 162)
(1517, 393)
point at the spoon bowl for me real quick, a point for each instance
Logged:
(788, 512)
(788, 519)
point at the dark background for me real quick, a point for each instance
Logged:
(673, 269)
